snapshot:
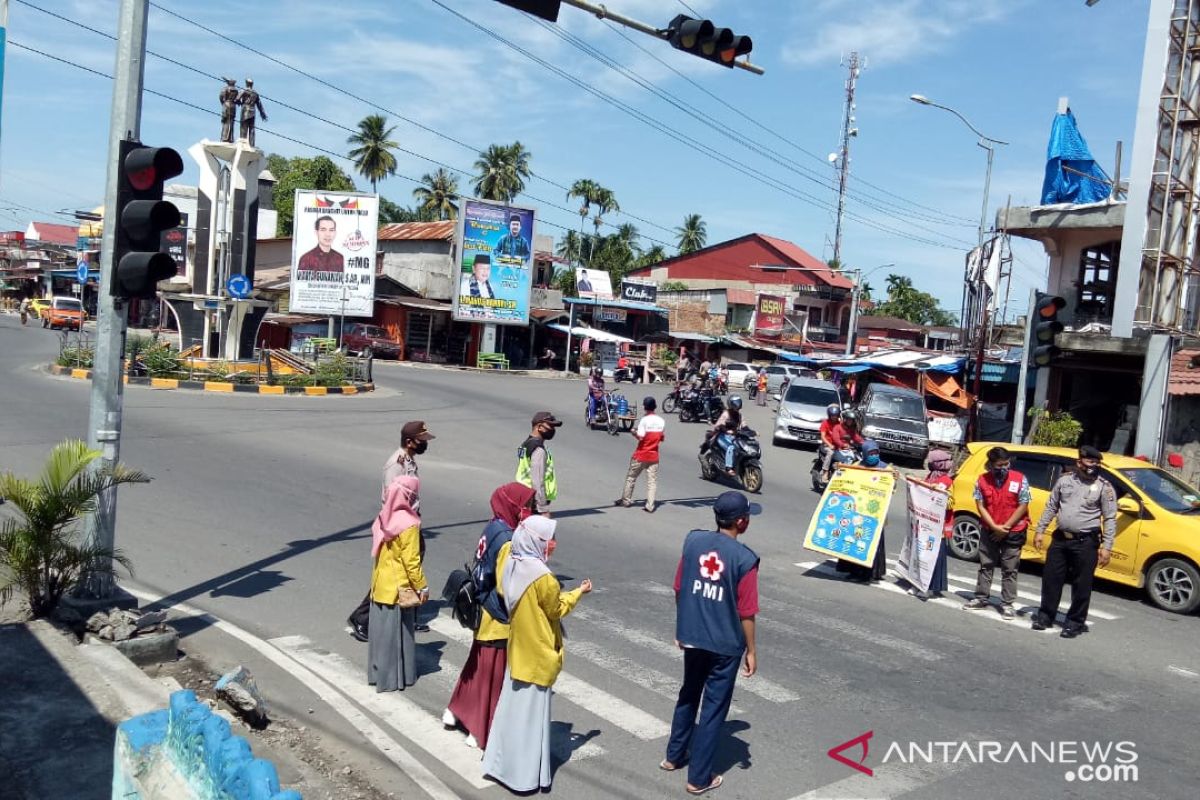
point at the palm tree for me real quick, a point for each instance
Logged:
(502, 172)
(605, 201)
(372, 154)
(693, 234)
(652, 256)
(41, 551)
(438, 194)
(571, 247)
(628, 233)
(584, 189)
(865, 291)
(898, 284)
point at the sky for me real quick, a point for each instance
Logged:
(759, 164)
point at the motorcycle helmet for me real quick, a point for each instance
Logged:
(850, 417)
(735, 402)
(597, 372)
(833, 410)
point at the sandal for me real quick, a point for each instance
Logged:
(716, 784)
(667, 766)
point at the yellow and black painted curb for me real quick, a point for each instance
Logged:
(219, 386)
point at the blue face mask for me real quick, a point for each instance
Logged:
(871, 460)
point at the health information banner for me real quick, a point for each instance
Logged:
(849, 519)
(495, 271)
(926, 536)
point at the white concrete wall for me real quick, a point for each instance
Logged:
(1064, 252)
(424, 267)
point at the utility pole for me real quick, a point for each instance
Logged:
(1018, 429)
(104, 419)
(852, 329)
(843, 155)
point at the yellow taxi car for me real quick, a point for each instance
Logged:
(38, 306)
(1157, 547)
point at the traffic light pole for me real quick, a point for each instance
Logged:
(104, 420)
(1018, 430)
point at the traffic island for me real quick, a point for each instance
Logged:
(219, 386)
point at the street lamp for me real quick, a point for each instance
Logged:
(852, 329)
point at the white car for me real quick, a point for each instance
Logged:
(739, 373)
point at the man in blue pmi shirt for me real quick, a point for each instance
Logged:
(716, 597)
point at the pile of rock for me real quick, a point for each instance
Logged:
(119, 625)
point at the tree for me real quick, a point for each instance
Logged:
(302, 173)
(628, 233)
(652, 256)
(583, 189)
(42, 552)
(692, 235)
(673, 286)
(390, 212)
(438, 194)
(502, 172)
(372, 153)
(570, 247)
(865, 290)
(908, 303)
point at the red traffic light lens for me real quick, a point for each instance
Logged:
(145, 167)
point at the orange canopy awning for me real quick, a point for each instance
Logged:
(945, 387)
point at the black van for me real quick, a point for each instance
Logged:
(897, 419)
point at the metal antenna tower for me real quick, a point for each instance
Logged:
(842, 157)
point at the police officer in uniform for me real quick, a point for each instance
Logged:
(1085, 506)
(716, 598)
(535, 464)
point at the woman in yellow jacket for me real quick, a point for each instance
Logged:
(518, 749)
(398, 586)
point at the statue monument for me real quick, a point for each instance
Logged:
(229, 99)
(250, 102)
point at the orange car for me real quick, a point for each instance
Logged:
(64, 312)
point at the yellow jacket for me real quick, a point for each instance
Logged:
(490, 629)
(535, 644)
(398, 565)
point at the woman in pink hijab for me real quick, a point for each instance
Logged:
(396, 548)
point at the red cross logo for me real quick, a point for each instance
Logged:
(481, 550)
(711, 566)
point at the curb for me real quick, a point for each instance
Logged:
(218, 386)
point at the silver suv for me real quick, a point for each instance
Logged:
(802, 410)
(897, 419)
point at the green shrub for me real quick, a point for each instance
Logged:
(82, 357)
(1059, 429)
(136, 344)
(295, 380)
(162, 361)
(331, 370)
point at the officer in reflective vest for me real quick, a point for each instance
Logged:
(1002, 497)
(535, 465)
(716, 598)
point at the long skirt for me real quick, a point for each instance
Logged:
(518, 751)
(876, 572)
(479, 687)
(939, 581)
(392, 647)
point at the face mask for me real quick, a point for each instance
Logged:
(1089, 470)
(548, 435)
(421, 447)
(1000, 474)
(871, 460)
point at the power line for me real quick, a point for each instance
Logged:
(689, 8)
(689, 141)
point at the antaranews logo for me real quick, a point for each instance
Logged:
(1085, 761)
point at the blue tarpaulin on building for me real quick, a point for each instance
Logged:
(1066, 157)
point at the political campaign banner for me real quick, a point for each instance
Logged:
(593, 284)
(495, 270)
(848, 522)
(333, 253)
(926, 537)
(768, 317)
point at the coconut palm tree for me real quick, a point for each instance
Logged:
(584, 189)
(605, 201)
(42, 553)
(864, 292)
(693, 234)
(898, 284)
(652, 256)
(372, 154)
(438, 194)
(628, 233)
(502, 172)
(571, 247)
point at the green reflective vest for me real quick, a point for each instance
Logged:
(525, 472)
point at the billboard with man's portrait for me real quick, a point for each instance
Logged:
(495, 263)
(333, 253)
(594, 284)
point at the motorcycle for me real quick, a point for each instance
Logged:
(747, 453)
(671, 401)
(631, 374)
(845, 455)
(609, 412)
(700, 405)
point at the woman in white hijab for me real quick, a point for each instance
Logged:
(518, 749)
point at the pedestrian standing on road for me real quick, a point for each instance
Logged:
(760, 396)
(398, 586)
(535, 464)
(649, 434)
(518, 750)
(473, 703)
(1002, 498)
(940, 463)
(1085, 505)
(871, 459)
(716, 601)
(414, 441)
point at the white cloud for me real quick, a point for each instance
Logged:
(887, 31)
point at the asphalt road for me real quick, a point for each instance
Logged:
(259, 514)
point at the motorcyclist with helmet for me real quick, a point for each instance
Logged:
(833, 419)
(595, 392)
(726, 426)
(843, 436)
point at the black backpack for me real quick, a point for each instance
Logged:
(460, 593)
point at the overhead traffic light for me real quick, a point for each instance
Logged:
(142, 216)
(1046, 328)
(546, 9)
(701, 38)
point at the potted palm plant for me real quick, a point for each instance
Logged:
(42, 552)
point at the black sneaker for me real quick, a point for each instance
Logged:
(359, 632)
(1072, 631)
(421, 627)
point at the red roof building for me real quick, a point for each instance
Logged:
(53, 233)
(762, 264)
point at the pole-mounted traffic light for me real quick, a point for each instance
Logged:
(1046, 329)
(701, 38)
(546, 9)
(142, 216)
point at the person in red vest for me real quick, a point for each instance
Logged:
(1002, 497)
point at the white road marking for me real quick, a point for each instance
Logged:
(1034, 598)
(391, 749)
(624, 715)
(1182, 671)
(758, 685)
(889, 781)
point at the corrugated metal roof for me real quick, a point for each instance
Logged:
(54, 233)
(417, 231)
(741, 297)
(820, 270)
(1185, 378)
